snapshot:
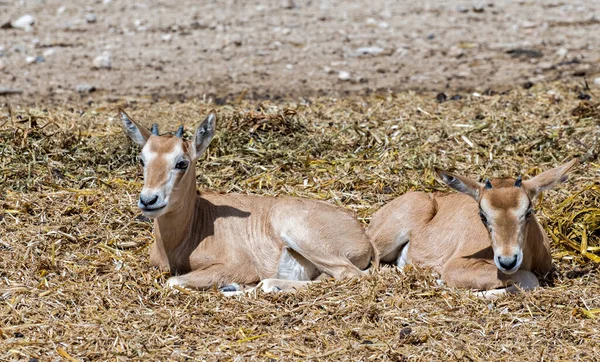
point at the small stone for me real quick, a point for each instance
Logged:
(25, 22)
(30, 59)
(61, 10)
(90, 18)
(528, 24)
(527, 85)
(463, 74)
(371, 22)
(584, 96)
(166, 37)
(441, 97)
(344, 75)
(48, 52)
(597, 81)
(478, 8)
(198, 25)
(462, 9)
(562, 52)
(368, 51)
(102, 61)
(456, 52)
(288, 4)
(85, 88)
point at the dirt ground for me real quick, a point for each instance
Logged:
(291, 48)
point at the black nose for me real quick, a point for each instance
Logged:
(148, 200)
(508, 262)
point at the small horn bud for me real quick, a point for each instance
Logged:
(155, 129)
(179, 132)
(488, 184)
(519, 181)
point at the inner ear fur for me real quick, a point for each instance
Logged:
(460, 183)
(548, 179)
(135, 131)
(204, 134)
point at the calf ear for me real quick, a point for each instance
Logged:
(548, 179)
(137, 133)
(204, 134)
(461, 183)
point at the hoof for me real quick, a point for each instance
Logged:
(174, 281)
(234, 287)
(271, 288)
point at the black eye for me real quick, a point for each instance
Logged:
(483, 218)
(529, 213)
(142, 162)
(181, 165)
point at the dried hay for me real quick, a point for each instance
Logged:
(76, 284)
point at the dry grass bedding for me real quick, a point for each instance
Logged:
(76, 284)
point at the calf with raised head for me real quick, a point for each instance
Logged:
(226, 240)
(486, 237)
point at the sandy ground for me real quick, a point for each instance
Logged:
(272, 49)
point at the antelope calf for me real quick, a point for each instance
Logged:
(226, 240)
(486, 237)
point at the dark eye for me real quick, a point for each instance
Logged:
(141, 162)
(529, 213)
(181, 165)
(483, 218)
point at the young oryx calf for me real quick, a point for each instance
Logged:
(486, 237)
(221, 239)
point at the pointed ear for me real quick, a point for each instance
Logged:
(204, 134)
(460, 183)
(137, 133)
(548, 179)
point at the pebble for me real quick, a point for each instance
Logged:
(90, 18)
(102, 61)
(61, 10)
(562, 52)
(344, 75)
(288, 4)
(478, 8)
(456, 52)
(32, 59)
(528, 24)
(48, 52)
(463, 74)
(368, 51)
(597, 81)
(462, 9)
(166, 37)
(25, 22)
(85, 88)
